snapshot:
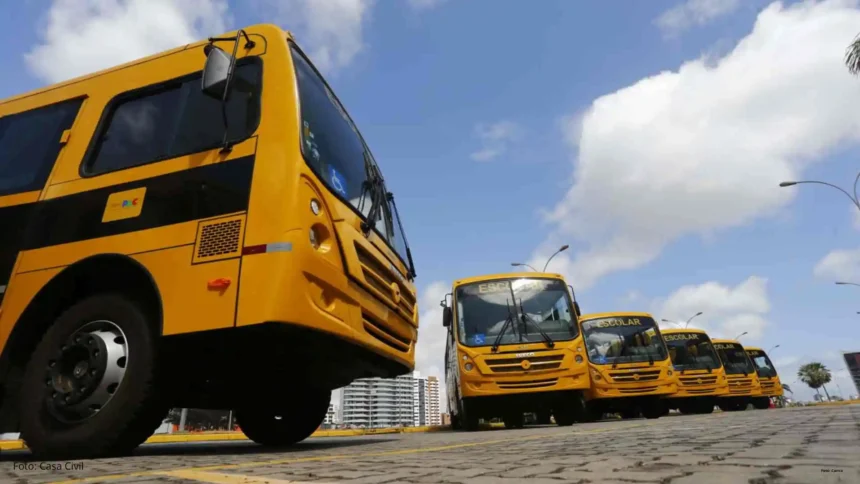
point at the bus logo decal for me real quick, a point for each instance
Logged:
(124, 205)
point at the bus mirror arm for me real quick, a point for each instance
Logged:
(218, 74)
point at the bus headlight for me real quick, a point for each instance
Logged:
(314, 238)
(468, 366)
(596, 375)
(669, 372)
(579, 358)
(315, 206)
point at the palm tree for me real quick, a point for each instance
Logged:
(852, 56)
(815, 375)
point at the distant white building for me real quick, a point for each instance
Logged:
(434, 414)
(404, 401)
(332, 417)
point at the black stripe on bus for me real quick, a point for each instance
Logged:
(183, 196)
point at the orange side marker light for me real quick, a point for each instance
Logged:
(219, 284)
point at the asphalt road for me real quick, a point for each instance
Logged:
(802, 445)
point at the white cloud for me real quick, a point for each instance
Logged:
(331, 30)
(430, 350)
(839, 265)
(82, 36)
(693, 13)
(703, 148)
(495, 139)
(726, 311)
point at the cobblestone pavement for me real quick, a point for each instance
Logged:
(801, 445)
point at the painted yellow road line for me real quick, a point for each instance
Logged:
(227, 436)
(324, 458)
(221, 478)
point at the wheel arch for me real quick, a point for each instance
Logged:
(89, 276)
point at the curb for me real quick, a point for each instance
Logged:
(227, 436)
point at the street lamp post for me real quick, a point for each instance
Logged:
(560, 250)
(686, 324)
(691, 318)
(775, 347)
(739, 336)
(843, 283)
(854, 199)
(522, 264)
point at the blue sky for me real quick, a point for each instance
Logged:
(650, 136)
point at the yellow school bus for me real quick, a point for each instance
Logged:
(744, 386)
(701, 377)
(771, 386)
(513, 346)
(205, 228)
(630, 368)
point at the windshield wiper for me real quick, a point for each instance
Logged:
(620, 352)
(373, 186)
(508, 321)
(528, 319)
(412, 273)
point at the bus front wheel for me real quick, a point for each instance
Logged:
(89, 389)
(284, 424)
(761, 403)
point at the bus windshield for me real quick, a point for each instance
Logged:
(691, 351)
(734, 359)
(483, 309)
(623, 339)
(763, 366)
(333, 147)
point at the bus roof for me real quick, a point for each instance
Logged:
(753, 348)
(508, 275)
(251, 29)
(585, 317)
(727, 341)
(683, 330)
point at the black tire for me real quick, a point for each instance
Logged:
(283, 424)
(543, 417)
(629, 413)
(653, 410)
(516, 420)
(468, 420)
(126, 420)
(705, 408)
(565, 416)
(761, 403)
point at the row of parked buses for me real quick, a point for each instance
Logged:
(518, 344)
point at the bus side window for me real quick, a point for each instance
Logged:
(30, 144)
(174, 119)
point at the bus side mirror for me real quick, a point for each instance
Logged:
(216, 72)
(576, 308)
(446, 316)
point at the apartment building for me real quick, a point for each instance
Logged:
(405, 401)
(434, 414)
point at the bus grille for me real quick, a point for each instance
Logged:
(740, 386)
(510, 385)
(384, 335)
(637, 390)
(634, 376)
(697, 390)
(768, 385)
(692, 381)
(381, 278)
(503, 365)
